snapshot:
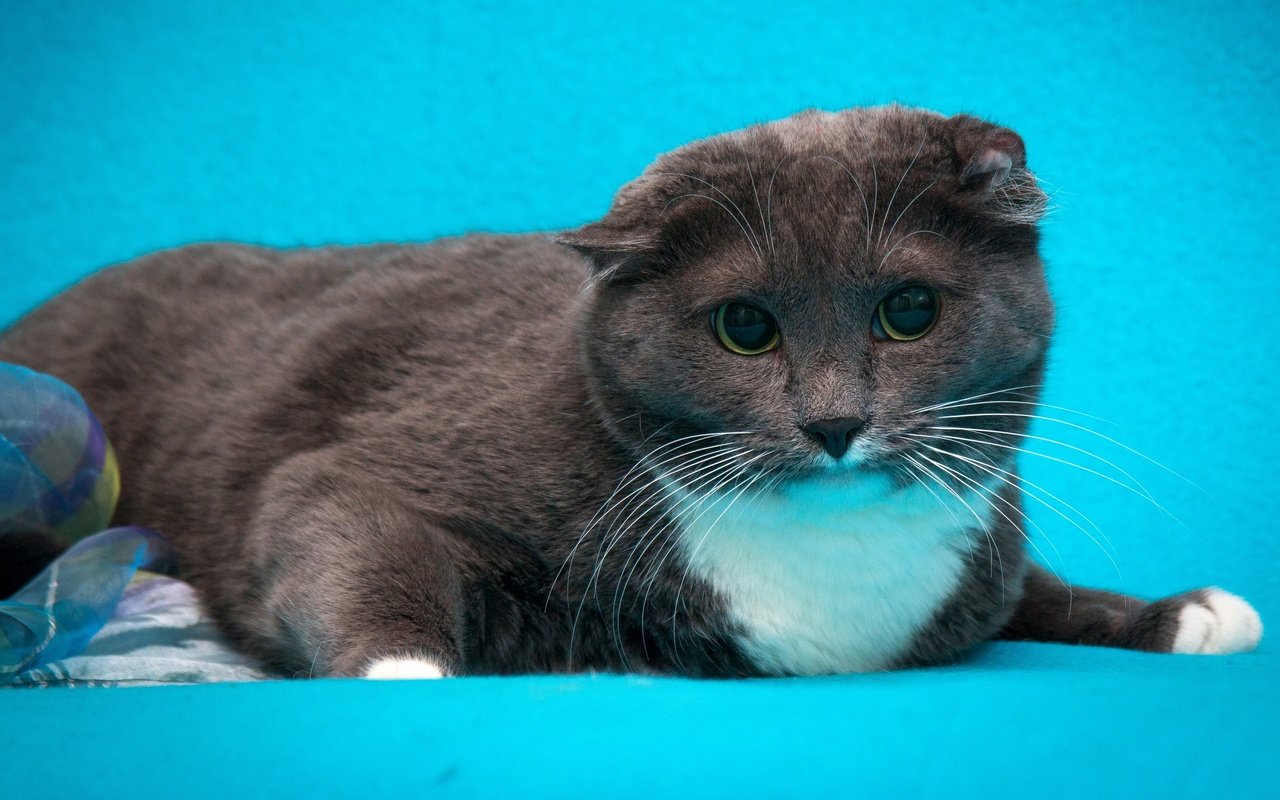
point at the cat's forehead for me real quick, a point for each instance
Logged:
(822, 197)
(821, 150)
(823, 200)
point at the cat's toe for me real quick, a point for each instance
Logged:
(392, 669)
(1217, 623)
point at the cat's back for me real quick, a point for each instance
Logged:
(185, 352)
(148, 321)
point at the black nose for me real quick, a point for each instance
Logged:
(835, 434)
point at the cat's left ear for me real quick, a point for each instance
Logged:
(993, 167)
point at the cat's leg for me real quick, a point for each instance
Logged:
(348, 580)
(1202, 621)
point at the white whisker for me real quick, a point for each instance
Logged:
(865, 208)
(982, 522)
(949, 403)
(1090, 431)
(976, 485)
(888, 209)
(889, 236)
(1005, 476)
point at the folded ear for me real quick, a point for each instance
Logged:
(993, 167)
(628, 242)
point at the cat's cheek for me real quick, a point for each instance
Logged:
(402, 669)
(1218, 623)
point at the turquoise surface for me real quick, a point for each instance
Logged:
(131, 127)
(1021, 721)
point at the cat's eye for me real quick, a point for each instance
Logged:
(744, 329)
(907, 314)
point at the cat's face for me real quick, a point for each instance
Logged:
(805, 290)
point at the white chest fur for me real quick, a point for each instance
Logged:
(833, 575)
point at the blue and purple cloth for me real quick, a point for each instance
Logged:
(58, 477)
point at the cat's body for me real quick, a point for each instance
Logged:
(487, 456)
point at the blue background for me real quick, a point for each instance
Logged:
(127, 127)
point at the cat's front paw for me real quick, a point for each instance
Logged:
(1214, 622)
(401, 669)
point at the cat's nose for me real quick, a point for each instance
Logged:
(835, 434)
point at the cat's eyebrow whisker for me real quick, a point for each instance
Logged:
(949, 403)
(755, 195)
(1090, 431)
(889, 237)
(875, 194)
(740, 218)
(888, 209)
(904, 239)
(746, 229)
(866, 209)
(769, 203)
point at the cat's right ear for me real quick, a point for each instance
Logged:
(628, 243)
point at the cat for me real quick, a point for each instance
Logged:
(703, 435)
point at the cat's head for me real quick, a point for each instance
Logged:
(810, 290)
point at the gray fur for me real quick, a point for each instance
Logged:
(388, 450)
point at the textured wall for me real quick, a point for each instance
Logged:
(128, 127)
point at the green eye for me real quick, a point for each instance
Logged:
(907, 314)
(744, 329)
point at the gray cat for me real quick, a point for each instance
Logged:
(705, 435)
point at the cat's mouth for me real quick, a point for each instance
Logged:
(870, 459)
(862, 463)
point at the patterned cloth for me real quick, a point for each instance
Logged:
(159, 634)
(58, 477)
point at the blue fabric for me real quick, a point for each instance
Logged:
(130, 127)
(1020, 721)
(59, 611)
(158, 634)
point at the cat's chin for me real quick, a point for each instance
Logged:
(867, 481)
(858, 466)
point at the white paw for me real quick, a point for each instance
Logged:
(401, 669)
(1221, 624)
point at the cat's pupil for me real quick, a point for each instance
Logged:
(748, 326)
(745, 329)
(909, 313)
